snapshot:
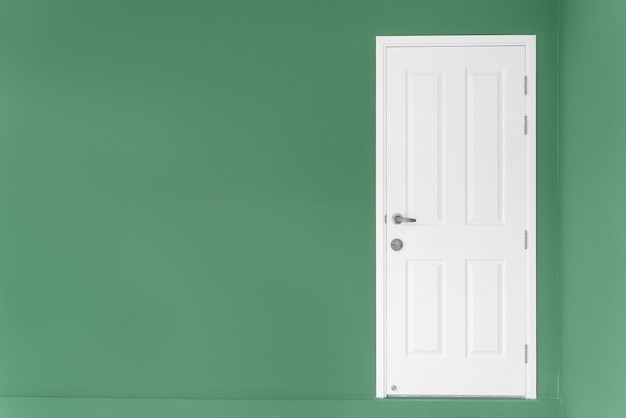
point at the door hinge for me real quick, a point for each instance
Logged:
(525, 125)
(385, 218)
(525, 240)
(525, 85)
(526, 353)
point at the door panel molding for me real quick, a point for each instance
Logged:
(493, 215)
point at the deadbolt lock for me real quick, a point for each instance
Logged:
(396, 244)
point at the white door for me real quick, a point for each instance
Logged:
(455, 159)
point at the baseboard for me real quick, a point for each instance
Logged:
(194, 408)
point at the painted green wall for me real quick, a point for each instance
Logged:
(187, 199)
(593, 167)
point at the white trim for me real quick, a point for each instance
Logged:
(531, 221)
(529, 42)
(380, 223)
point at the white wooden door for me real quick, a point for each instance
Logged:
(455, 160)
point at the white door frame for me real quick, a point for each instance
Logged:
(382, 43)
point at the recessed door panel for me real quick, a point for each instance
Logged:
(424, 288)
(485, 146)
(425, 146)
(485, 307)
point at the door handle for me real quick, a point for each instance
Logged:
(398, 219)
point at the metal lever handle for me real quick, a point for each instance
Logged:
(398, 219)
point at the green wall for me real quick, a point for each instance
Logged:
(187, 204)
(593, 167)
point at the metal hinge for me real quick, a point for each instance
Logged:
(525, 125)
(525, 240)
(526, 353)
(525, 85)
(385, 218)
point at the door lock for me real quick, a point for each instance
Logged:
(396, 244)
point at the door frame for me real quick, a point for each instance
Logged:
(529, 42)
